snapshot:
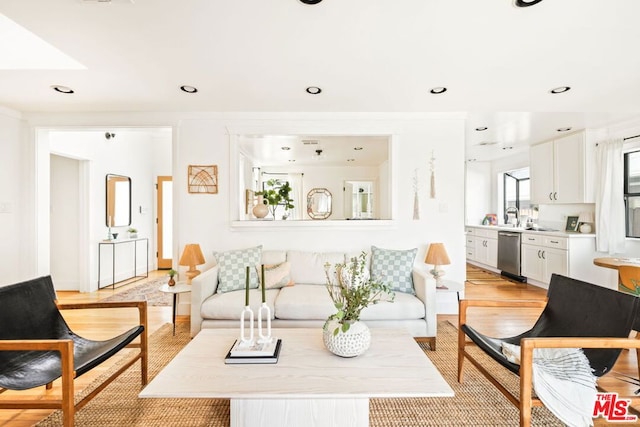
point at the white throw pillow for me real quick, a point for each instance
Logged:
(275, 275)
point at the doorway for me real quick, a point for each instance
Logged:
(165, 222)
(65, 208)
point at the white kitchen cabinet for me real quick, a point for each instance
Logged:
(482, 246)
(543, 255)
(560, 170)
(531, 261)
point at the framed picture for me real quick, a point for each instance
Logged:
(203, 179)
(572, 223)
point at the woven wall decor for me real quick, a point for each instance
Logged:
(203, 179)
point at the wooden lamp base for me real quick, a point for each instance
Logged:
(191, 273)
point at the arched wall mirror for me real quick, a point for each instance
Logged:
(319, 203)
(118, 201)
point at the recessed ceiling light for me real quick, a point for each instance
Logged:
(526, 3)
(438, 90)
(560, 89)
(62, 89)
(563, 129)
(481, 128)
(188, 89)
(357, 148)
(313, 90)
(285, 148)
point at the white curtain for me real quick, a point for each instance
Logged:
(610, 230)
(299, 202)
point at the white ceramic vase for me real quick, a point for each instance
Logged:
(352, 343)
(260, 210)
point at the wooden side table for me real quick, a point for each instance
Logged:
(178, 288)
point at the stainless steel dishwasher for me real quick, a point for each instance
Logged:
(509, 255)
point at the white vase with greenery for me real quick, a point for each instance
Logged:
(351, 290)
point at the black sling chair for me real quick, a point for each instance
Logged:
(576, 314)
(37, 346)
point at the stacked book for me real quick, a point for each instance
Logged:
(254, 352)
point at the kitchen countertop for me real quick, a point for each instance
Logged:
(523, 230)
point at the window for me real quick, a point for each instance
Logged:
(292, 184)
(516, 192)
(632, 193)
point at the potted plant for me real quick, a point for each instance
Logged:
(276, 195)
(172, 273)
(133, 233)
(351, 290)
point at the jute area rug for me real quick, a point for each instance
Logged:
(145, 291)
(476, 402)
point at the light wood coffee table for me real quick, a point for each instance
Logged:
(308, 386)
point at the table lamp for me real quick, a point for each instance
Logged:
(191, 256)
(586, 219)
(437, 255)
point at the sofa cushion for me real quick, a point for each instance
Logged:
(275, 275)
(229, 305)
(232, 268)
(304, 302)
(405, 306)
(308, 267)
(393, 267)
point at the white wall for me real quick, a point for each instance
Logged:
(478, 192)
(206, 218)
(203, 138)
(16, 250)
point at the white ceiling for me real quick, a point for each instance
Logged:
(497, 61)
(295, 151)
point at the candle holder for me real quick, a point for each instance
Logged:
(248, 341)
(264, 338)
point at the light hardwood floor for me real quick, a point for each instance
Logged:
(104, 323)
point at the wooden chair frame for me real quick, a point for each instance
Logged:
(65, 347)
(526, 401)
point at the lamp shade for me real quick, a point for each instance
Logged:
(437, 255)
(192, 255)
(586, 217)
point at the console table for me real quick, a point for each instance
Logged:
(114, 244)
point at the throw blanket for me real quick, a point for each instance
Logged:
(563, 381)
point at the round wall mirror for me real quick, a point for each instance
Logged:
(319, 203)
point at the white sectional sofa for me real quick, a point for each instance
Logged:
(306, 303)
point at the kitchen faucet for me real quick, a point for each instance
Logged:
(512, 210)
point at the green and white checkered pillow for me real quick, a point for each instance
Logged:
(232, 269)
(393, 267)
